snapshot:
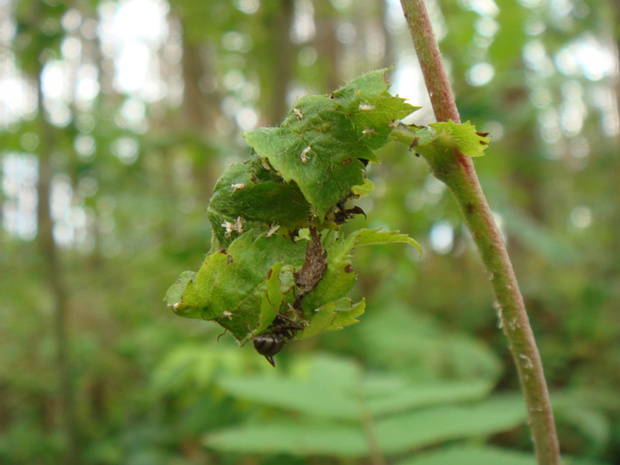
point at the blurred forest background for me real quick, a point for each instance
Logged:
(116, 119)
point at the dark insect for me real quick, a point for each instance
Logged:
(342, 214)
(271, 341)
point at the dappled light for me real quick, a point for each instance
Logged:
(141, 139)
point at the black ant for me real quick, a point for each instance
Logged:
(271, 341)
(342, 214)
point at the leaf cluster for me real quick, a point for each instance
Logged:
(276, 244)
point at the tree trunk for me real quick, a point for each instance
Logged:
(283, 72)
(327, 45)
(54, 275)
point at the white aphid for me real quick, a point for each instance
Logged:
(304, 154)
(239, 225)
(229, 228)
(366, 107)
(273, 230)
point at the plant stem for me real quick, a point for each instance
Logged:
(458, 173)
(374, 450)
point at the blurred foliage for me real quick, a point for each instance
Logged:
(132, 158)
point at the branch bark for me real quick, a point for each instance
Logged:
(458, 173)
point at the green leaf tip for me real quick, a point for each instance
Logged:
(174, 295)
(462, 137)
(376, 236)
(334, 316)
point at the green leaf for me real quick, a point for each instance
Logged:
(272, 298)
(408, 397)
(300, 174)
(395, 435)
(399, 338)
(462, 137)
(227, 228)
(320, 143)
(375, 236)
(241, 288)
(347, 315)
(319, 153)
(292, 438)
(256, 193)
(471, 455)
(365, 189)
(334, 315)
(483, 455)
(307, 398)
(174, 296)
(323, 387)
(191, 364)
(338, 279)
(340, 276)
(423, 136)
(362, 88)
(592, 424)
(372, 107)
(436, 425)
(229, 286)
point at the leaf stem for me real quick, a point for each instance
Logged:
(458, 173)
(374, 450)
